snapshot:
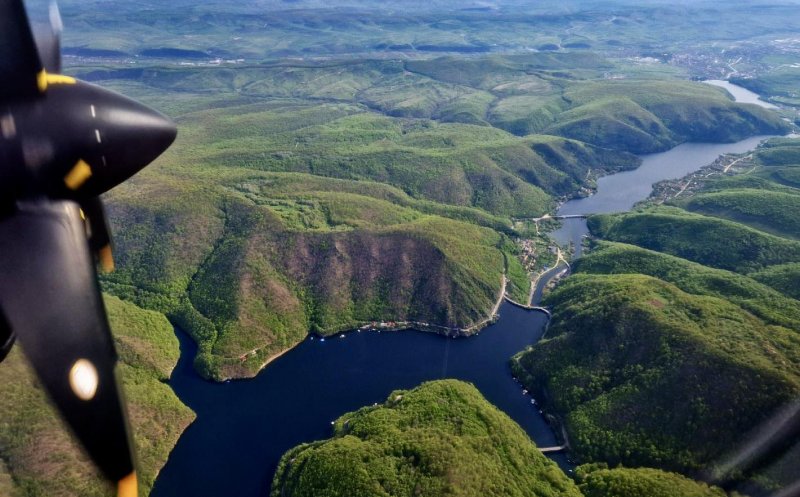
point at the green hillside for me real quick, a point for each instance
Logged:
(41, 456)
(761, 300)
(320, 195)
(779, 83)
(758, 298)
(643, 373)
(601, 481)
(724, 244)
(650, 116)
(769, 211)
(779, 152)
(442, 438)
(784, 277)
(653, 345)
(273, 256)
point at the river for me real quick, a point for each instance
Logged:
(243, 427)
(741, 95)
(619, 192)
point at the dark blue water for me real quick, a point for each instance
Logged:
(244, 427)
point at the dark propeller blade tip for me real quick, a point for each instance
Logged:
(7, 338)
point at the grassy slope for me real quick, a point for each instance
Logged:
(646, 374)
(442, 438)
(42, 457)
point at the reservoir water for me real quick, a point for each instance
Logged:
(243, 427)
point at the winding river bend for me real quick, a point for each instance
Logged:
(243, 427)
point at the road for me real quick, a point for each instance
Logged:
(537, 286)
(495, 309)
(727, 168)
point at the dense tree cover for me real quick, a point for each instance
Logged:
(278, 255)
(649, 116)
(784, 278)
(779, 152)
(40, 455)
(645, 374)
(442, 438)
(724, 244)
(770, 211)
(322, 196)
(765, 302)
(600, 481)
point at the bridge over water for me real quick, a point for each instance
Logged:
(528, 307)
(552, 450)
(556, 217)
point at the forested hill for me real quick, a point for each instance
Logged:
(667, 347)
(443, 438)
(353, 162)
(326, 196)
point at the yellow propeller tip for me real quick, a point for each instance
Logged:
(106, 259)
(78, 175)
(41, 81)
(128, 486)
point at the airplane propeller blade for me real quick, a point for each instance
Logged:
(51, 299)
(48, 40)
(19, 61)
(99, 232)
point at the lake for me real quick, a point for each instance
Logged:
(243, 427)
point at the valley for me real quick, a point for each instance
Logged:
(344, 172)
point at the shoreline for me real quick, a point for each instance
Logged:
(374, 326)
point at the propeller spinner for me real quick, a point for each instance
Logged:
(63, 142)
